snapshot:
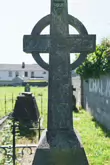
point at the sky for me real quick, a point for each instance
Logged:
(18, 17)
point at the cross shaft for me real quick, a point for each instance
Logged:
(59, 45)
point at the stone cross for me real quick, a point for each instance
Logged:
(59, 44)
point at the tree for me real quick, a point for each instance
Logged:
(97, 63)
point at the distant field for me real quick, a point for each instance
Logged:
(36, 80)
(16, 90)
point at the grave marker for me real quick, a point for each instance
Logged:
(26, 108)
(60, 145)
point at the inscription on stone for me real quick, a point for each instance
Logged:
(58, 4)
(74, 43)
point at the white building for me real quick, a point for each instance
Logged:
(26, 71)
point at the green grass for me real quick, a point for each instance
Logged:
(95, 138)
(36, 80)
(16, 90)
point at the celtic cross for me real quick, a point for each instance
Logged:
(59, 44)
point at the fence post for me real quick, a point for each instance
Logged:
(82, 92)
(41, 103)
(5, 104)
(39, 127)
(12, 101)
(14, 134)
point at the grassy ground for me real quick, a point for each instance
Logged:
(32, 80)
(16, 90)
(95, 138)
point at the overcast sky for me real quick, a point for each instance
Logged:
(18, 17)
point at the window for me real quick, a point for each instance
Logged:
(26, 74)
(16, 73)
(10, 73)
(44, 72)
(32, 74)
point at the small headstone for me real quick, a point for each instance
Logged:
(74, 108)
(27, 87)
(26, 107)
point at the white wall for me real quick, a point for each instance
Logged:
(4, 75)
(38, 74)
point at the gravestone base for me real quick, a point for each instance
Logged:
(60, 148)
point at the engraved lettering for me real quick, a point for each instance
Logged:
(58, 4)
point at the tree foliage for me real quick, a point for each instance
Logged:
(97, 63)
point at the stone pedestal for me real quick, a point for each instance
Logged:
(60, 148)
(26, 107)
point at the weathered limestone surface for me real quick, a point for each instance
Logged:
(60, 144)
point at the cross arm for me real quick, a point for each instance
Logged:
(36, 43)
(74, 43)
(81, 43)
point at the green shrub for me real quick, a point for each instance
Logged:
(97, 63)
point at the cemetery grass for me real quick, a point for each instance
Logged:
(95, 138)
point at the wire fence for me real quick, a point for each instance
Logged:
(25, 147)
(11, 150)
(7, 103)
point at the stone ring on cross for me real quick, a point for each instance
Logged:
(84, 46)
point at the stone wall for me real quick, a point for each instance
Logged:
(77, 84)
(95, 97)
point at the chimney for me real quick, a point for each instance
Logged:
(23, 65)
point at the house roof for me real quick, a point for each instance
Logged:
(18, 67)
(17, 79)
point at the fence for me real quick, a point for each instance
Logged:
(13, 153)
(11, 150)
(7, 103)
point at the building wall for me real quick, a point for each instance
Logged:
(4, 75)
(76, 82)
